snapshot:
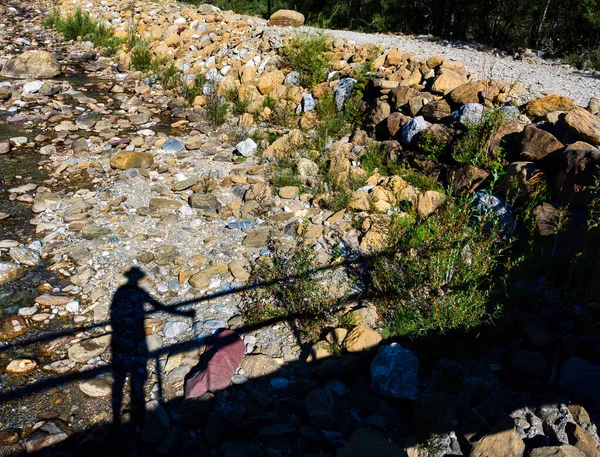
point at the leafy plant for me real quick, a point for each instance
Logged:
(431, 145)
(295, 287)
(307, 54)
(239, 104)
(284, 172)
(438, 272)
(196, 88)
(475, 146)
(141, 58)
(216, 108)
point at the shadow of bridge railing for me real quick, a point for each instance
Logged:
(190, 419)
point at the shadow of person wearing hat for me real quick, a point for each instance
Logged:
(129, 347)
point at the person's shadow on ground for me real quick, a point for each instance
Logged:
(130, 353)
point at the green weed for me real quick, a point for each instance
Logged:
(475, 145)
(438, 272)
(295, 287)
(307, 54)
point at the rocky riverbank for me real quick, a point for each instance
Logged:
(105, 169)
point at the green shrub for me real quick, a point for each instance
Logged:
(297, 288)
(307, 54)
(170, 77)
(284, 172)
(431, 145)
(376, 158)
(475, 146)
(80, 24)
(239, 104)
(437, 274)
(216, 109)
(141, 58)
(195, 88)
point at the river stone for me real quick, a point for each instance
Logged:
(247, 147)
(501, 442)
(11, 326)
(217, 365)
(361, 338)
(323, 408)
(202, 279)
(9, 436)
(99, 387)
(44, 201)
(39, 64)
(21, 366)
(584, 124)
(9, 270)
(580, 378)
(185, 184)
(557, 451)
(175, 328)
(52, 432)
(367, 442)
(32, 87)
(395, 372)
(205, 202)
(172, 145)
(87, 120)
(88, 349)
(125, 160)
(259, 365)
(25, 256)
(52, 300)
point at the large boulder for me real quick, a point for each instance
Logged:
(287, 18)
(580, 378)
(447, 81)
(577, 174)
(537, 143)
(38, 65)
(217, 366)
(542, 106)
(584, 125)
(395, 372)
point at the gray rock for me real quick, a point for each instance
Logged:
(308, 103)
(468, 114)
(32, 87)
(173, 145)
(489, 207)
(580, 378)
(87, 120)
(342, 91)
(323, 408)
(292, 79)
(395, 372)
(205, 202)
(413, 128)
(175, 328)
(247, 147)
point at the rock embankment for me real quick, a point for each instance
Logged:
(138, 177)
